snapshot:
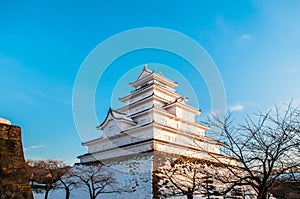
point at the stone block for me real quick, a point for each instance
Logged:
(13, 174)
(14, 133)
(4, 131)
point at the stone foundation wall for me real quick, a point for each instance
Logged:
(14, 183)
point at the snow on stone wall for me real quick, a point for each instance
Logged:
(134, 169)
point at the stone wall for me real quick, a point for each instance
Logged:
(290, 190)
(14, 183)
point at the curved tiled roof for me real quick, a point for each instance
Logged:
(116, 116)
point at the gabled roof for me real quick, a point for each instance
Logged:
(145, 72)
(148, 75)
(115, 115)
(181, 101)
(147, 88)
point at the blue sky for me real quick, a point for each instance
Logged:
(255, 45)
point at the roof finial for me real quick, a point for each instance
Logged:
(145, 67)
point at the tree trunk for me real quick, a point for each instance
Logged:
(189, 196)
(262, 195)
(67, 193)
(208, 195)
(46, 194)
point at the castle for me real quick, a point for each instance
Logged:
(155, 122)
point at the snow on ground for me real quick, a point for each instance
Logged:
(142, 183)
(136, 172)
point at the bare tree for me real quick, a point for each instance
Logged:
(45, 174)
(189, 176)
(97, 179)
(67, 181)
(266, 146)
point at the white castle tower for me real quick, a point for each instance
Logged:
(155, 122)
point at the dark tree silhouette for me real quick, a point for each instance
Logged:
(97, 179)
(45, 175)
(67, 181)
(189, 176)
(266, 146)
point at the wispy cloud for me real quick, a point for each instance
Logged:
(24, 97)
(33, 147)
(245, 38)
(236, 107)
(54, 98)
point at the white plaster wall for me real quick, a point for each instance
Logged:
(87, 159)
(144, 119)
(140, 107)
(164, 95)
(180, 139)
(123, 151)
(186, 152)
(139, 97)
(158, 103)
(182, 113)
(124, 125)
(177, 124)
(186, 115)
(191, 153)
(126, 138)
(111, 129)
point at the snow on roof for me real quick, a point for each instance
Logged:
(4, 121)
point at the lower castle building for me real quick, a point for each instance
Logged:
(155, 124)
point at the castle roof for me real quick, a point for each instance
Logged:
(148, 75)
(181, 102)
(117, 116)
